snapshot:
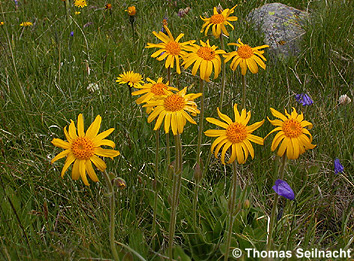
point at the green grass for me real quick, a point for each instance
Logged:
(43, 84)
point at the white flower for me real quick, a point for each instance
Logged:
(92, 87)
(344, 99)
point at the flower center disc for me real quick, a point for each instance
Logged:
(173, 48)
(158, 88)
(236, 132)
(174, 102)
(292, 128)
(217, 19)
(245, 51)
(206, 53)
(82, 148)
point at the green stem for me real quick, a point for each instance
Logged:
(169, 76)
(274, 208)
(195, 203)
(175, 193)
(243, 104)
(223, 77)
(201, 120)
(232, 208)
(156, 181)
(111, 216)
(168, 151)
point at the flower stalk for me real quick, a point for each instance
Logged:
(156, 182)
(274, 208)
(232, 208)
(201, 120)
(223, 77)
(111, 216)
(175, 193)
(243, 102)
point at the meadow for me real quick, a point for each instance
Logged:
(67, 63)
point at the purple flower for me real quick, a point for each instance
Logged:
(72, 33)
(304, 99)
(283, 189)
(338, 168)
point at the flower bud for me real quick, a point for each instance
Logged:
(198, 173)
(246, 204)
(120, 183)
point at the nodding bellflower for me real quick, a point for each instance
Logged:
(338, 168)
(282, 188)
(303, 99)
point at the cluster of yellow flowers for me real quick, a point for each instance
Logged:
(205, 57)
(173, 107)
(163, 102)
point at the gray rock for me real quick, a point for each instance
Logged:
(282, 27)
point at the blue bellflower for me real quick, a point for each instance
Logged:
(338, 168)
(283, 189)
(303, 99)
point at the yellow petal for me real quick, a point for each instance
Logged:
(61, 144)
(69, 160)
(224, 117)
(75, 173)
(82, 170)
(218, 123)
(167, 122)
(106, 152)
(61, 155)
(72, 130)
(99, 163)
(90, 171)
(80, 125)
(101, 136)
(92, 131)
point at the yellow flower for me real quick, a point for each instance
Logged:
(153, 90)
(173, 108)
(131, 78)
(246, 56)
(218, 21)
(2, 23)
(236, 135)
(170, 48)
(77, 13)
(292, 134)
(204, 57)
(26, 24)
(80, 3)
(82, 149)
(131, 10)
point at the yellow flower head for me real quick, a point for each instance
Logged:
(131, 10)
(77, 13)
(26, 24)
(173, 108)
(2, 23)
(170, 49)
(246, 56)
(293, 138)
(83, 148)
(131, 78)
(235, 135)
(218, 21)
(80, 3)
(153, 90)
(205, 57)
